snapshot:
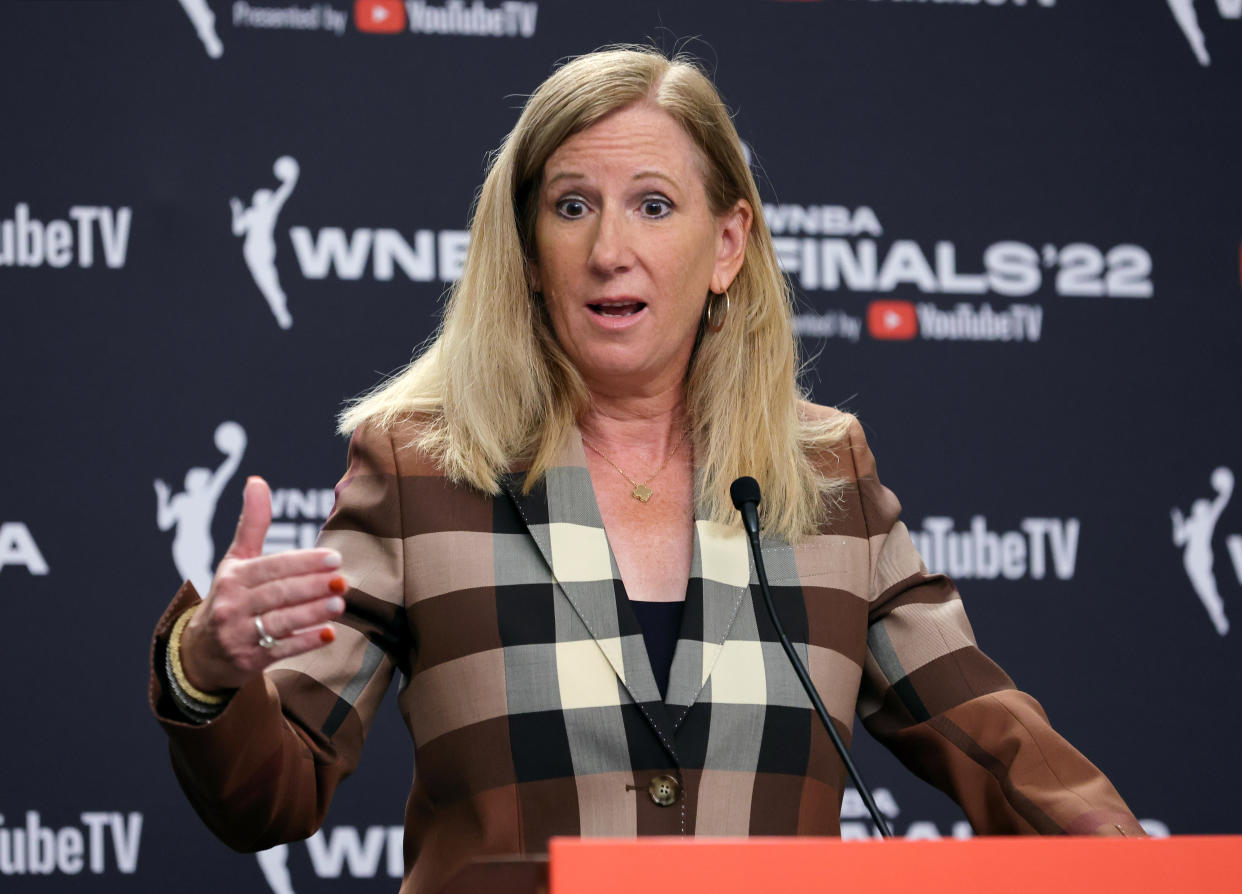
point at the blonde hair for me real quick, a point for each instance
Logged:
(495, 388)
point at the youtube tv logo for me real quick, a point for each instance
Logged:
(892, 320)
(379, 16)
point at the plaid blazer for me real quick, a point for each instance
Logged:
(527, 690)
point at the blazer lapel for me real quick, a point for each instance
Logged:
(720, 577)
(563, 517)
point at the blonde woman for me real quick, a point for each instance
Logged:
(535, 530)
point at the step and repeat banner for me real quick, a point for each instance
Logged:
(1014, 231)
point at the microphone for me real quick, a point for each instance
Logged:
(745, 494)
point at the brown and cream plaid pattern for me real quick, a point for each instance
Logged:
(533, 709)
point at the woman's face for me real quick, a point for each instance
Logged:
(626, 249)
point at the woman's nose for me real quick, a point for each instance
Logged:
(611, 250)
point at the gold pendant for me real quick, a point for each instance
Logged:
(642, 493)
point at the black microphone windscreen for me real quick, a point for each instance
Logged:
(744, 490)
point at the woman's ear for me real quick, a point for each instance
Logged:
(731, 244)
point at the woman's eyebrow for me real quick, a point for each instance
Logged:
(565, 175)
(639, 175)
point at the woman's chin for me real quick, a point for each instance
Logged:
(607, 373)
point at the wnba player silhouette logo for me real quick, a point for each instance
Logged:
(1194, 534)
(1188, 20)
(257, 224)
(191, 512)
(204, 22)
(274, 864)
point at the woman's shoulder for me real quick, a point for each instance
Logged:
(396, 444)
(834, 441)
(819, 413)
(826, 427)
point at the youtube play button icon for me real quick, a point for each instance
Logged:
(379, 16)
(892, 320)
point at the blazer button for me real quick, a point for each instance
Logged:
(664, 790)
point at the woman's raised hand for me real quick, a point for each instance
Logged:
(288, 596)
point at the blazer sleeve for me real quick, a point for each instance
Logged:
(264, 771)
(948, 712)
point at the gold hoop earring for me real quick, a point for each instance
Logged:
(716, 322)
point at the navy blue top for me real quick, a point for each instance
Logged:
(661, 623)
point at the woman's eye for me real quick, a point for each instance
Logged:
(571, 207)
(656, 207)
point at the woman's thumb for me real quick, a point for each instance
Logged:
(256, 516)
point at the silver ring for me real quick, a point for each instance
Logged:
(266, 640)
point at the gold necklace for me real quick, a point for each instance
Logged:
(642, 493)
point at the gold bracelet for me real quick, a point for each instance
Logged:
(174, 660)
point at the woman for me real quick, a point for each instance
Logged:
(535, 530)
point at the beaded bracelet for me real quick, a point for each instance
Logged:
(195, 712)
(198, 704)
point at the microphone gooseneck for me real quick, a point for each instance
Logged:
(745, 494)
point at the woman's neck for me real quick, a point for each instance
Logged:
(651, 425)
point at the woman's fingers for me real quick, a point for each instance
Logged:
(290, 591)
(300, 642)
(285, 622)
(234, 607)
(262, 569)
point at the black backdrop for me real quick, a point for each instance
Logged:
(1049, 190)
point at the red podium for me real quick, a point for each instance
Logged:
(1191, 864)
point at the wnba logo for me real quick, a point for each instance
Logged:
(204, 22)
(1188, 21)
(331, 252)
(1193, 533)
(257, 225)
(189, 514)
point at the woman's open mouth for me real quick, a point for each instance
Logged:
(616, 308)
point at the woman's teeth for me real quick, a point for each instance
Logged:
(618, 310)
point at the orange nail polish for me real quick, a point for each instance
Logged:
(326, 635)
(338, 585)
